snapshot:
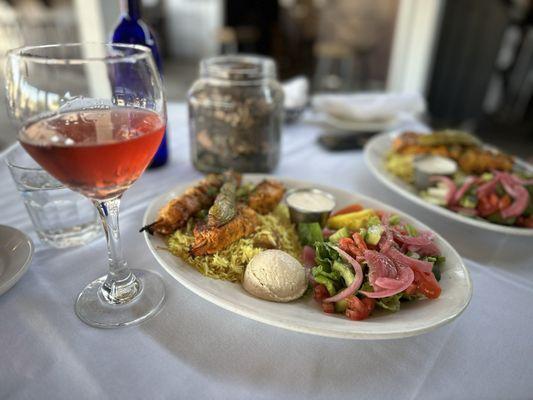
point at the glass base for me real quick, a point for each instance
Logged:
(93, 308)
(71, 237)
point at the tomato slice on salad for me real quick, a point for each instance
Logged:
(427, 284)
(349, 209)
(488, 204)
(355, 309)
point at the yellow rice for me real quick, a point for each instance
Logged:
(229, 264)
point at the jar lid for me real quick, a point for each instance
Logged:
(238, 67)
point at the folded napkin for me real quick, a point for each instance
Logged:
(369, 106)
(296, 92)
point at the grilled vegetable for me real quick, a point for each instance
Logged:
(223, 209)
(353, 221)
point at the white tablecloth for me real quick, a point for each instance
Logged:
(194, 349)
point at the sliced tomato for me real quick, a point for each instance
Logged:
(359, 241)
(487, 206)
(349, 247)
(328, 307)
(504, 202)
(427, 284)
(369, 304)
(320, 293)
(355, 309)
(349, 209)
(411, 289)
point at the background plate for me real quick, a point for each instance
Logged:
(376, 150)
(16, 251)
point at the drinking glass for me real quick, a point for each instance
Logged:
(93, 115)
(61, 218)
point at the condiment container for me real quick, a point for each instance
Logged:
(235, 115)
(427, 166)
(309, 205)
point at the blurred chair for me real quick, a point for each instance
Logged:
(334, 66)
(350, 31)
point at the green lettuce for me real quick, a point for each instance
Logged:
(310, 233)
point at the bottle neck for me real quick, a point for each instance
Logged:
(132, 8)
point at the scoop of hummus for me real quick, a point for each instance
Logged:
(275, 275)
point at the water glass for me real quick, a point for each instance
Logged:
(62, 218)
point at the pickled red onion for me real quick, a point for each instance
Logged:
(356, 284)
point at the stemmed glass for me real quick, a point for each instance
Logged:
(93, 116)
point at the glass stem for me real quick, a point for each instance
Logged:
(120, 286)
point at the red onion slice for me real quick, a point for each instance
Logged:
(467, 184)
(310, 276)
(308, 256)
(521, 200)
(356, 284)
(487, 187)
(387, 240)
(406, 261)
(326, 232)
(450, 185)
(388, 283)
(429, 250)
(405, 278)
(421, 240)
(379, 266)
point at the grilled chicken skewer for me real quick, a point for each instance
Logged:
(175, 213)
(209, 240)
(266, 196)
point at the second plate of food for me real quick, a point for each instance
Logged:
(305, 314)
(484, 187)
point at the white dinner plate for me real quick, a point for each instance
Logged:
(376, 150)
(305, 315)
(332, 122)
(16, 251)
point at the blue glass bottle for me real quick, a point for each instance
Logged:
(132, 29)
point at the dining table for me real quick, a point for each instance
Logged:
(194, 349)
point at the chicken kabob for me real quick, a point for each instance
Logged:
(227, 219)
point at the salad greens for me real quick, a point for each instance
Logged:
(397, 262)
(310, 233)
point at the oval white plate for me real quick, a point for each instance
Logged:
(362, 127)
(304, 315)
(375, 152)
(16, 251)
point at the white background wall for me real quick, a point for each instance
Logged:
(192, 26)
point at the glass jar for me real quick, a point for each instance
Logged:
(235, 115)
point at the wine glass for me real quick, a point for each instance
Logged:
(93, 115)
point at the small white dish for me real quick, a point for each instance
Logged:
(331, 122)
(375, 152)
(304, 315)
(16, 251)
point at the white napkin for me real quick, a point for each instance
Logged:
(369, 106)
(296, 92)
